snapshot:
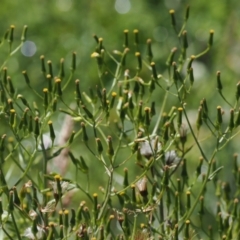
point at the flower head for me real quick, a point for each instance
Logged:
(171, 158)
(148, 148)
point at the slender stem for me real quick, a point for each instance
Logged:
(134, 227)
(107, 196)
(160, 114)
(193, 134)
(9, 237)
(188, 214)
(15, 226)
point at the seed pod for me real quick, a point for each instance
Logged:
(139, 116)
(172, 13)
(114, 94)
(166, 132)
(110, 149)
(133, 199)
(83, 165)
(66, 219)
(86, 214)
(149, 50)
(49, 79)
(184, 172)
(179, 120)
(26, 77)
(100, 44)
(176, 206)
(152, 110)
(95, 206)
(235, 208)
(185, 41)
(16, 198)
(50, 70)
(199, 118)
(187, 13)
(210, 41)
(37, 127)
(73, 219)
(123, 59)
(136, 89)
(108, 226)
(89, 114)
(125, 223)
(176, 233)
(154, 71)
(10, 85)
(136, 37)
(51, 130)
(219, 84)
(104, 98)
(188, 193)
(30, 124)
(42, 58)
(10, 39)
(190, 63)
(139, 59)
(235, 165)
(79, 212)
(77, 91)
(175, 74)
(70, 140)
(120, 198)
(58, 88)
(99, 146)
(191, 76)
(231, 121)
(199, 167)
(85, 136)
(24, 101)
(24, 33)
(125, 44)
(219, 116)
(147, 117)
(12, 119)
(45, 101)
(5, 76)
(125, 178)
(201, 210)
(169, 61)
(11, 202)
(165, 179)
(35, 202)
(61, 72)
(54, 105)
(238, 91)
(2, 143)
(187, 231)
(74, 55)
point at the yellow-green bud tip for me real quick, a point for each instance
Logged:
(114, 94)
(95, 55)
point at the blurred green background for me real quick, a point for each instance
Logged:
(59, 27)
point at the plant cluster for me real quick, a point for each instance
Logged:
(134, 126)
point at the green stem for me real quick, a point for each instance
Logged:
(188, 214)
(134, 227)
(160, 114)
(15, 226)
